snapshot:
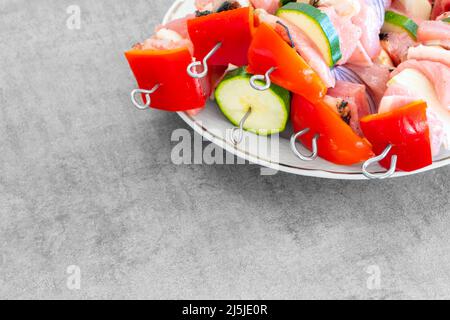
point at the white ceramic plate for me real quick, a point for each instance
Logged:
(213, 126)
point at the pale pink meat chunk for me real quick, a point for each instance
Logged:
(356, 96)
(165, 39)
(397, 46)
(375, 77)
(368, 21)
(360, 56)
(433, 30)
(178, 25)
(349, 34)
(430, 53)
(434, 33)
(271, 6)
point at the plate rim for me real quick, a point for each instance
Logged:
(317, 173)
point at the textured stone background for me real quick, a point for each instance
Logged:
(87, 180)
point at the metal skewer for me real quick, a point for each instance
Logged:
(147, 94)
(376, 159)
(291, 40)
(265, 78)
(192, 68)
(315, 149)
(239, 130)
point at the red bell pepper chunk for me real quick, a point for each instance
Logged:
(407, 130)
(233, 28)
(337, 142)
(269, 50)
(177, 90)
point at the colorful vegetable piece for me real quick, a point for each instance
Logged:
(167, 68)
(268, 50)
(269, 110)
(407, 130)
(233, 29)
(337, 142)
(395, 22)
(317, 25)
(440, 7)
(304, 47)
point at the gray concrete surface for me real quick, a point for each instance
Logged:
(86, 180)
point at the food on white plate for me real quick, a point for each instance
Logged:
(178, 25)
(366, 77)
(354, 96)
(439, 8)
(375, 78)
(344, 8)
(270, 6)
(209, 6)
(385, 59)
(317, 26)
(435, 33)
(304, 46)
(397, 23)
(437, 73)
(268, 110)
(401, 137)
(416, 9)
(370, 23)
(408, 84)
(165, 39)
(429, 53)
(276, 61)
(396, 45)
(349, 37)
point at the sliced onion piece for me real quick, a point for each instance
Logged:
(380, 8)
